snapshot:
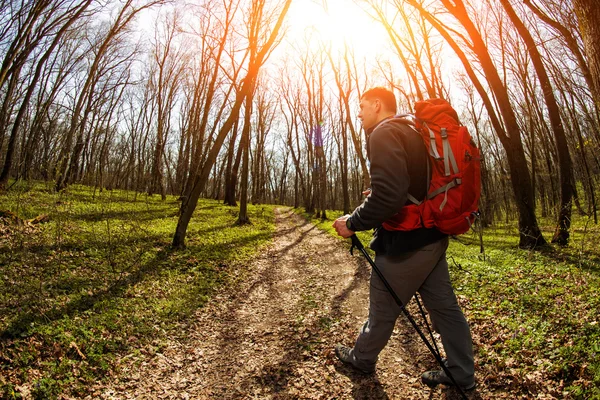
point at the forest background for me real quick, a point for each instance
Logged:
(256, 101)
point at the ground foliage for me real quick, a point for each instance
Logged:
(99, 280)
(95, 294)
(534, 314)
(271, 335)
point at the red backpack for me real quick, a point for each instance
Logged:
(455, 187)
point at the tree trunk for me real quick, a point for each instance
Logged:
(344, 170)
(231, 170)
(530, 235)
(189, 203)
(588, 14)
(565, 167)
(245, 145)
(4, 118)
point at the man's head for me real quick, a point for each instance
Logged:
(376, 104)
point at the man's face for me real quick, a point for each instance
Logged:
(369, 112)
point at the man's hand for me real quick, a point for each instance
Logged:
(340, 227)
(366, 192)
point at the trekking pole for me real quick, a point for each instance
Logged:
(358, 244)
(427, 323)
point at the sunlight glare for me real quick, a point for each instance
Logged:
(336, 23)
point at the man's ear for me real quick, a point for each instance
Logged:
(377, 105)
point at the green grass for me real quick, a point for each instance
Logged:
(534, 314)
(101, 280)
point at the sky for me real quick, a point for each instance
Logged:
(336, 22)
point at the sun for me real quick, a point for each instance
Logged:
(336, 24)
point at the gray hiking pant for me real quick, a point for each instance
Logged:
(425, 271)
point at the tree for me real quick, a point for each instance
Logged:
(245, 148)
(166, 79)
(291, 109)
(509, 131)
(588, 14)
(108, 43)
(43, 23)
(265, 117)
(262, 51)
(346, 87)
(564, 158)
(412, 42)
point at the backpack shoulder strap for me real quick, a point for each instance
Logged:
(410, 121)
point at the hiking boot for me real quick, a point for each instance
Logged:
(434, 378)
(346, 355)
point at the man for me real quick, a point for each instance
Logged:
(410, 261)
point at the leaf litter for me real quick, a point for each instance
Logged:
(271, 336)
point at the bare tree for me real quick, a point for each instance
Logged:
(108, 43)
(44, 22)
(169, 63)
(245, 148)
(411, 38)
(588, 14)
(564, 158)
(509, 131)
(232, 168)
(263, 49)
(342, 73)
(291, 109)
(265, 117)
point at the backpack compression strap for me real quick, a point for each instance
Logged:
(449, 163)
(432, 146)
(448, 154)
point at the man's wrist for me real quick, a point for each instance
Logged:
(349, 225)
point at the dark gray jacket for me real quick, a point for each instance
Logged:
(398, 166)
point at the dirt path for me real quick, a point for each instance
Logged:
(271, 336)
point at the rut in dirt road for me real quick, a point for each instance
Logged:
(272, 335)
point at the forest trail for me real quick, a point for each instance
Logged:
(271, 335)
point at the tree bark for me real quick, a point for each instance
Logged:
(565, 166)
(530, 235)
(588, 14)
(189, 203)
(245, 145)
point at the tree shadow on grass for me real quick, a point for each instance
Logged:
(20, 326)
(117, 196)
(101, 242)
(501, 241)
(226, 250)
(78, 245)
(588, 261)
(127, 215)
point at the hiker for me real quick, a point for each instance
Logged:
(411, 261)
